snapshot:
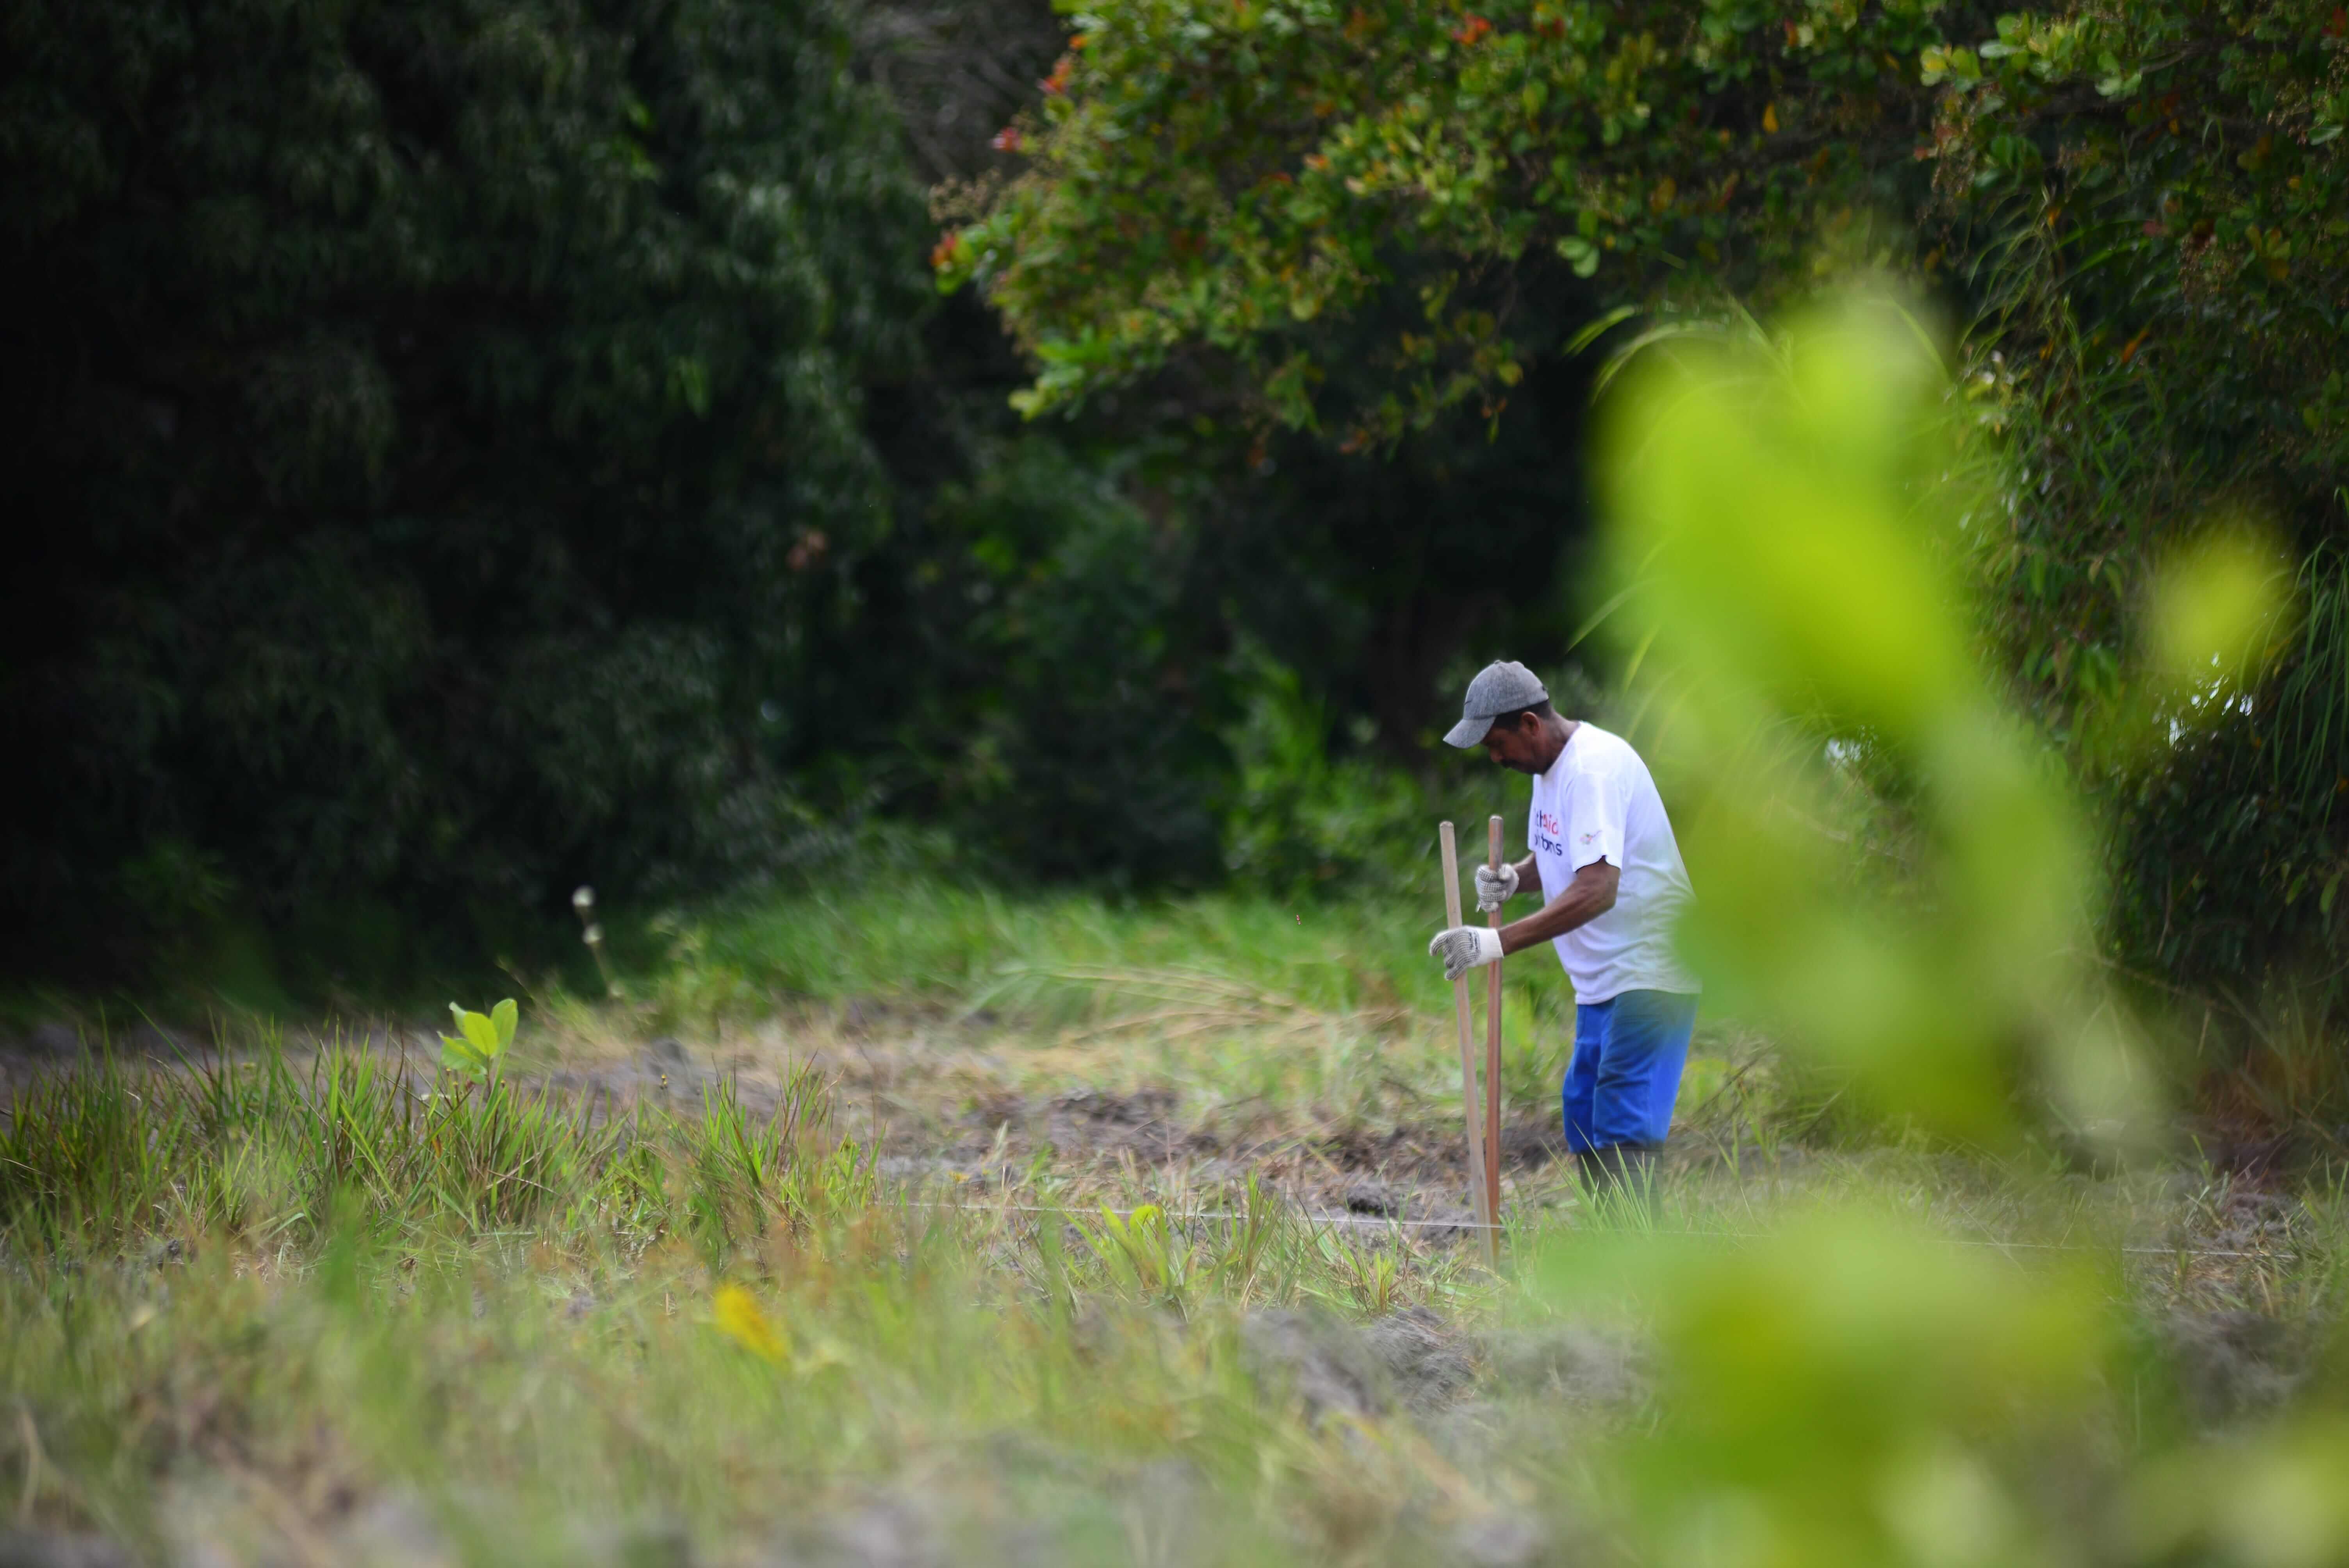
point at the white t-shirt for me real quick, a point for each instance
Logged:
(1598, 803)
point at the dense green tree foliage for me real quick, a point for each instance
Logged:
(1235, 177)
(2162, 204)
(439, 445)
(469, 448)
(2135, 213)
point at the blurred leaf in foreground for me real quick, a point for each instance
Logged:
(1853, 1390)
(1779, 510)
(2275, 1502)
(2220, 611)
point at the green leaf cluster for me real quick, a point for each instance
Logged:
(480, 1041)
(1223, 177)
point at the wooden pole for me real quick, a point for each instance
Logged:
(1493, 1052)
(1476, 1190)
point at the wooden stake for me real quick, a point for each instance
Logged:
(1493, 1051)
(1477, 1195)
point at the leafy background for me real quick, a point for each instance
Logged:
(469, 449)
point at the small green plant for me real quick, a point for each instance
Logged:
(1368, 1277)
(480, 1040)
(1138, 1251)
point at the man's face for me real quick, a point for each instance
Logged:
(1517, 746)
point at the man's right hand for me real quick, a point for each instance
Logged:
(1465, 947)
(1495, 888)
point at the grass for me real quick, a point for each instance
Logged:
(1318, 1013)
(299, 1301)
(1046, 1230)
(1050, 958)
(256, 1147)
(301, 1286)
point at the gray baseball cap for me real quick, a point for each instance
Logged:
(1501, 688)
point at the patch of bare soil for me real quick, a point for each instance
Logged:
(1415, 1173)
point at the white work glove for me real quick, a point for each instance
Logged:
(1465, 947)
(1495, 888)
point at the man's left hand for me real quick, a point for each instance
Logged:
(1495, 887)
(1465, 947)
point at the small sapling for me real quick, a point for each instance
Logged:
(480, 1040)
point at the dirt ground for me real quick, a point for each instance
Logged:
(972, 1110)
(971, 1113)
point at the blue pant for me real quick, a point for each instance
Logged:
(1628, 1051)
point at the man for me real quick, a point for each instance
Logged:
(1610, 873)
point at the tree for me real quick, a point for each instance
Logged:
(2163, 207)
(2134, 211)
(442, 436)
(1238, 178)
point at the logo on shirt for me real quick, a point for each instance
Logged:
(1589, 837)
(1548, 834)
